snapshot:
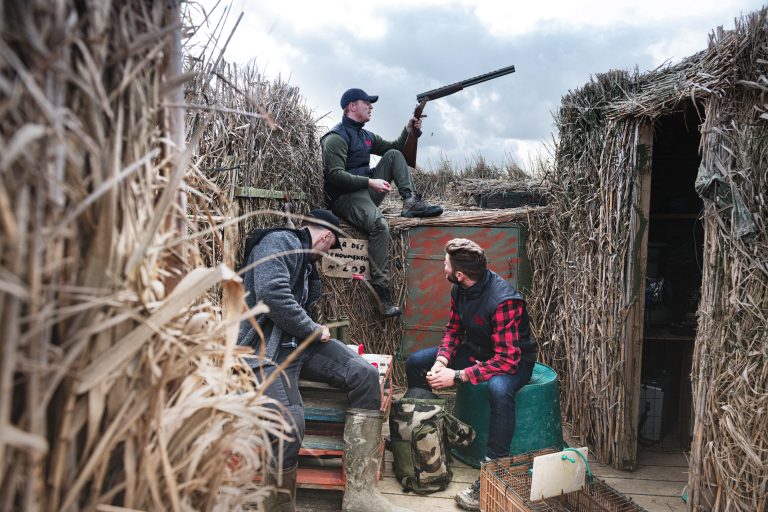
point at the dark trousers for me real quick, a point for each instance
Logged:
(331, 363)
(361, 209)
(501, 393)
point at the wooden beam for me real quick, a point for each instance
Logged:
(263, 193)
(635, 297)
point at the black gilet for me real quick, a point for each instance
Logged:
(476, 307)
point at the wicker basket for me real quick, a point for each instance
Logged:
(505, 486)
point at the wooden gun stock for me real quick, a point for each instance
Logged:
(412, 141)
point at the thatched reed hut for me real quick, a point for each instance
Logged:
(642, 286)
(118, 384)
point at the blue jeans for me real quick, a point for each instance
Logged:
(501, 393)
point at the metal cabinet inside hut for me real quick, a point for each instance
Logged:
(670, 260)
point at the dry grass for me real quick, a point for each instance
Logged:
(581, 252)
(119, 383)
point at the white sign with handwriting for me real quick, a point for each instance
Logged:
(347, 261)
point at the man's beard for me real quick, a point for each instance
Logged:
(452, 278)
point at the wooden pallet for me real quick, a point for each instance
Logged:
(325, 410)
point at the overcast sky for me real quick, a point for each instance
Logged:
(397, 49)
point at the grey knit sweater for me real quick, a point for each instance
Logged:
(288, 283)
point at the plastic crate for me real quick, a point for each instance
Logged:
(505, 486)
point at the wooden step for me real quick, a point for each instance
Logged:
(322, 445)
(321, 478)
(325, 408)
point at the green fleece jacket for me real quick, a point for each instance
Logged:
(335, 159)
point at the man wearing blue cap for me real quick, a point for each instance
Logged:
(354, 190)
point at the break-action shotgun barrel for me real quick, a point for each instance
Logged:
(411, 142)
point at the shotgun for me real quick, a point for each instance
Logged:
(411, 142)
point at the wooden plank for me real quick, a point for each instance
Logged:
(646, 493)
(314, 428)
(390, 485)
(313, 500)
(646, 487)
(426, 503)
(313, 442)
(659, 503)
(263, 193)
(649, 458)
(626, 457)
(664, 473)
(321, 478)
(325, 407)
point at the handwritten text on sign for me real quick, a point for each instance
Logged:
(351, 258)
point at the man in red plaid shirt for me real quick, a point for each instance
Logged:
(487, 339)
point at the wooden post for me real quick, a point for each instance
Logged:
(635, 297)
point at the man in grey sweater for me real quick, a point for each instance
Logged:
(280, 271)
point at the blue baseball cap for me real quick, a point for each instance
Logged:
(355, 95)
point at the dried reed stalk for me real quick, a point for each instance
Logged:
(580, 252)
(730, 364)
(278, 150)
(119, 383)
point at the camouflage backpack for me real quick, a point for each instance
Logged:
(421, 431)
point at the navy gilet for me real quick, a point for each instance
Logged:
(359, 142)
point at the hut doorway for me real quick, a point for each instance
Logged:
(673, 284)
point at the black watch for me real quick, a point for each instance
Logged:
(457, 377)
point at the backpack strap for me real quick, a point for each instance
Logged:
(411, 484)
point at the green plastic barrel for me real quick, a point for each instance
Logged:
(537, 416)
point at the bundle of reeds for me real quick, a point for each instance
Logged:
(584, 284)
(472, 191)
(258, 161)
(730, 363)
(579, 252)
(446, 180)
(119, 385)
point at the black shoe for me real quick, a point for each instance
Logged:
(415, 206)
(388, 306)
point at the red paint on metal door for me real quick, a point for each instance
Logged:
(428, 301)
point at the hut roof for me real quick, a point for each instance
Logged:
(725, 63)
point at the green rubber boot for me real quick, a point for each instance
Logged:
(362, 442)
(283, 497)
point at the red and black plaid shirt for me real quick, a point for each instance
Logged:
(505, 338)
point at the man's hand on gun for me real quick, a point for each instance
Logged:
(414, 122)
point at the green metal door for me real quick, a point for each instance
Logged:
(426, 309)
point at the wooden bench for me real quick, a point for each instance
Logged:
(325, 409)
